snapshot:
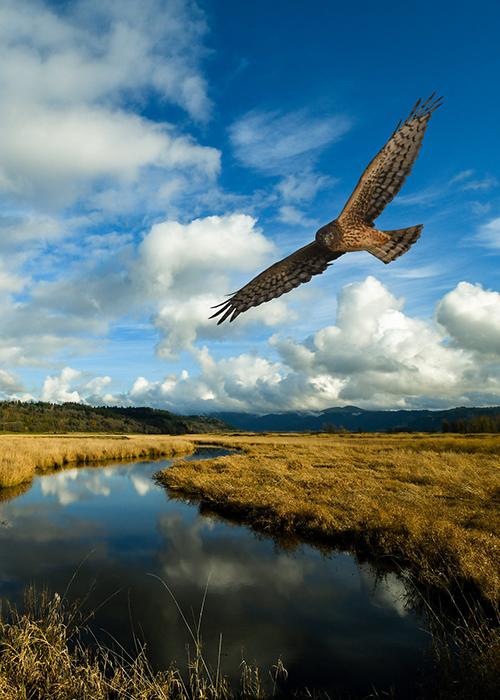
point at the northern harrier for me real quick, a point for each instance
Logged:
(353, 230)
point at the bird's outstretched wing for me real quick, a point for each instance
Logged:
(385, 175)
(281, 277)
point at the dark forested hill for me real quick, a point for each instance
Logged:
(353, 418)
(43, 417)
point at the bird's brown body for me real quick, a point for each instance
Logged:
(349, 236)
(353, 230)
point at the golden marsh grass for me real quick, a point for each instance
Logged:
(22, 456)
(430, 502)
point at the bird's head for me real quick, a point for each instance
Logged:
(327, 235)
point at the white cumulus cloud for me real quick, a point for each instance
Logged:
(471, 315)
(375, 355)
(57, 389)
(187, 268)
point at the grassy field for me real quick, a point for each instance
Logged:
(23, 455)
(429, 502)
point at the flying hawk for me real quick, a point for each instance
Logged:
(353, 230)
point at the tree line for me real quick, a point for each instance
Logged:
(476, 424)
(43, 417)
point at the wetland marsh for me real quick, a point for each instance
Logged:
(341, 621)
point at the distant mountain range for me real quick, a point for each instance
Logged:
(41, 417)
(353, 418)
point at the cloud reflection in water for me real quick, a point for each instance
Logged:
(333, 623)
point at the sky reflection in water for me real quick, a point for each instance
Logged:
(329, 619)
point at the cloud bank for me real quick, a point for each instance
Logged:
(71, 82)
(374, 356)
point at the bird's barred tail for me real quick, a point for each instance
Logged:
(399, 242)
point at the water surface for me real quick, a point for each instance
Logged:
(335, 624)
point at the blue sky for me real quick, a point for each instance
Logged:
(156, 155)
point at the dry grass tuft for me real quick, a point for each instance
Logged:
(42, 658)
(22, 456)
(430, 502)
